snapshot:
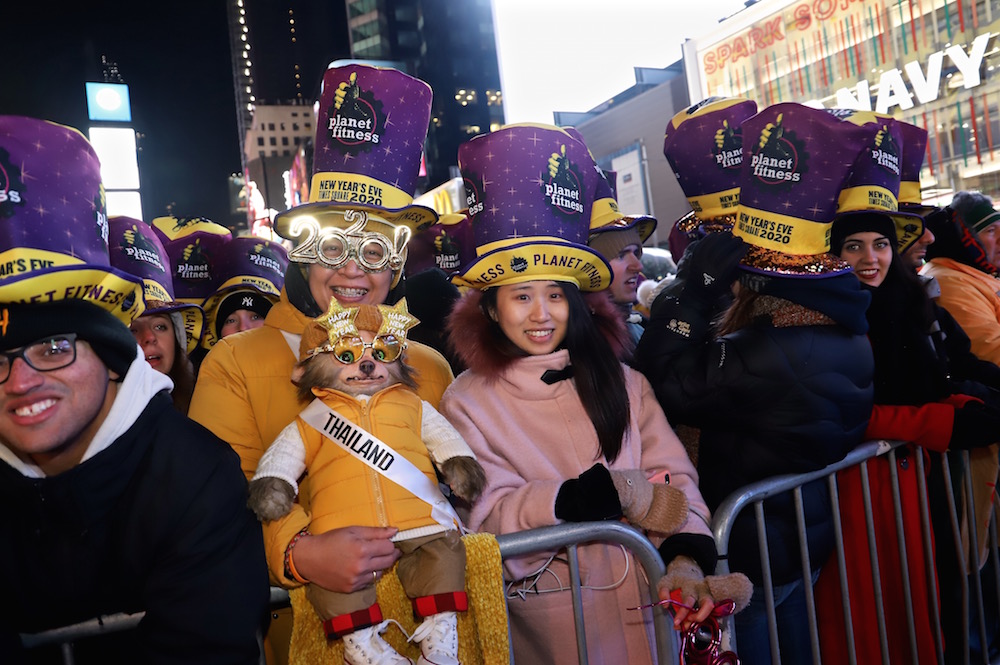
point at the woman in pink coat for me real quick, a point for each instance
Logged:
(564, 431)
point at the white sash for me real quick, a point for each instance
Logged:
(380, 456)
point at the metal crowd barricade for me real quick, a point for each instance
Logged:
(570, 536)
(756, 495)
(564, 536)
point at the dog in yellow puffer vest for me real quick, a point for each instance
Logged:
(371, 446)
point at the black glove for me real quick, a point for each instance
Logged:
(590, 497)
(709, 265)
(976, 425)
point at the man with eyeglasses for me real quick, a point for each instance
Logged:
(103, 476)
(114, 501)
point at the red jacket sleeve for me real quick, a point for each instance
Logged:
(928, 425)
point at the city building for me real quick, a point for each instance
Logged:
(451, 46)
(280, 50)
(931, 63)
(625, 135)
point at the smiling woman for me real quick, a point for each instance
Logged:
(532, 315)
(562, 427)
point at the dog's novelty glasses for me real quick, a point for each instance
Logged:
(348, 349)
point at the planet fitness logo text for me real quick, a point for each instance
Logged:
(473, 200)
(728, 147)
(11, 187)
(356, 119)
(885, 151)
(779, 159)
(563, 187)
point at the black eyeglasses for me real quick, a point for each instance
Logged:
(45, 355)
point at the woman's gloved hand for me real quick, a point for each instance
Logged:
(591, 496)
(685, 583)
(709, 265)
(651, 506)
(976, 425)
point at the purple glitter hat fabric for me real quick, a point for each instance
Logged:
(194, 246)
(874, 183)
(372, 123)
(54, 235)
(704, 146)
(447, 244)
(530, 191)
(134, 248)
(51, 196)
(528, 180)
(249, 261)
(796, 159)
(137, 250)
(874, 180)
(914, 151)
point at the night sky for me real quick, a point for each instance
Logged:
(175, 58)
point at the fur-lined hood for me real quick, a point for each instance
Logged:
(470, 332)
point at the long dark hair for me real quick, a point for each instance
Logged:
(908, 370)
(600, 379)
(183, 376)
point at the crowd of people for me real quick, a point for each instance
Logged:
(196, 416)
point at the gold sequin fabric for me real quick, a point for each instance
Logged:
(482, 631)
(786, 314)
(793, 265)
(694, 227)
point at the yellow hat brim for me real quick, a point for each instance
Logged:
(107, 288)
(537, 260)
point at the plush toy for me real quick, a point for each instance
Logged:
(370, 446)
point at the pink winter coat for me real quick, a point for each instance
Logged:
(530, 437)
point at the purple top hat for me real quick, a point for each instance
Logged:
(914, 151)
(530, 190)
(873, 185)
(369, 137)
(54, 235)
(447, 244)
(194, 246)
(704, 146)
(245, 264)
(605, 216)
(796, 161)
(134, 249)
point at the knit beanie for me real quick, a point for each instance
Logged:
(976, 210)
(847, 225)
(610, 244)
(112, 341)
(253, 301)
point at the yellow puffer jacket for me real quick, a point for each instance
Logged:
(245, 396)
(344, 490)
(973, 298)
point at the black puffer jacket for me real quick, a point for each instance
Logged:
(769, 401)
(156, 522)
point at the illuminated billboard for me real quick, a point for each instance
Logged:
(108, 102)
(877, 55)
(124, 204)
(115, 147)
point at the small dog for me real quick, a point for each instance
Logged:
(370, 446)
